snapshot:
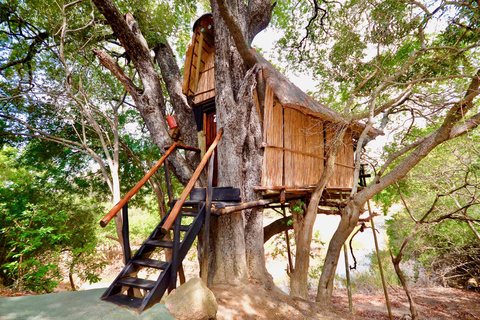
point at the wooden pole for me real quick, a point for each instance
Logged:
(206, 229)
(199, 60)
(384, 283)
(347, 272)
(243, 206)
(109, 216)
(178, 205)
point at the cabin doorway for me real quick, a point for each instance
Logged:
(210, 127)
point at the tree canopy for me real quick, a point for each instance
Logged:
(98, 78)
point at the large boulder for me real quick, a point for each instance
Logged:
(192, 301)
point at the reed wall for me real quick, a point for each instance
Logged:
(295, 145)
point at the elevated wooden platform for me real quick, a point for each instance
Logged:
(330, 193)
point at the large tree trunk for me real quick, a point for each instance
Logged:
(236, 254)
(347, 223)
(149, 99)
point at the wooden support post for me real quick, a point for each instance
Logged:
(127, 255)
(287, 239)
(169, 184)
(347, 272)
(206, 230)
(175, 251)
(384, 283)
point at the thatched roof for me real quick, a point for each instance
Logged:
(289, 95)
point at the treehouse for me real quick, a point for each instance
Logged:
(297, 130)
(297, 133)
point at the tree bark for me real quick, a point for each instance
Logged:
(303, 223)
(173, 82)
(237, 255)
(449, 129)
(149, 99)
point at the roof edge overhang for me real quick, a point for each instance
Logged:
(290, 96)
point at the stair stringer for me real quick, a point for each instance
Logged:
(130, 268)
(155, 295)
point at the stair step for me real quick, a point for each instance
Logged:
(160, 243)
(126, 301)
(151, 263)
(189, 214)
(187, 203)
(137, 283)
(184, 228)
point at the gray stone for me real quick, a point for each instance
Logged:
(192, 301)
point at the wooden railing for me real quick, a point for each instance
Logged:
(178, 205)
(113, 212)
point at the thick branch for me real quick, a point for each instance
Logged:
(173, 82)
(32, 51)
(446, 131)
(277, 226)
(133, 43)
(259, 14)
(111, 64)
(231, 21)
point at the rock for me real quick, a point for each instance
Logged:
(192, 301)
(472, 284)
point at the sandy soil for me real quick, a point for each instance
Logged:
(432, 303)
(254, 302)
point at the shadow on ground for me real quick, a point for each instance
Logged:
(72, 305)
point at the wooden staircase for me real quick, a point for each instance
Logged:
(121, 291)
(185, 218)
(187, 226)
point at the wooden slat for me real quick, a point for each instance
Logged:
(272, 169)
(137, 283)
(151, 263)
(159, 243)
(206, 82)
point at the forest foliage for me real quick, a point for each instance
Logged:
(60, 111)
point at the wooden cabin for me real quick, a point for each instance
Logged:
(297, 129)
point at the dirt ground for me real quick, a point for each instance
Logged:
(254, 302)
(432, 303)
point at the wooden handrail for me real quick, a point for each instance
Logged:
(109, 216)
(178, 205)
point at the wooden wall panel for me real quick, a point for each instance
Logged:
(303, 148)
(206, 82)
(273, 162)
(343, 171)
(272, 172)
(314, 146)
